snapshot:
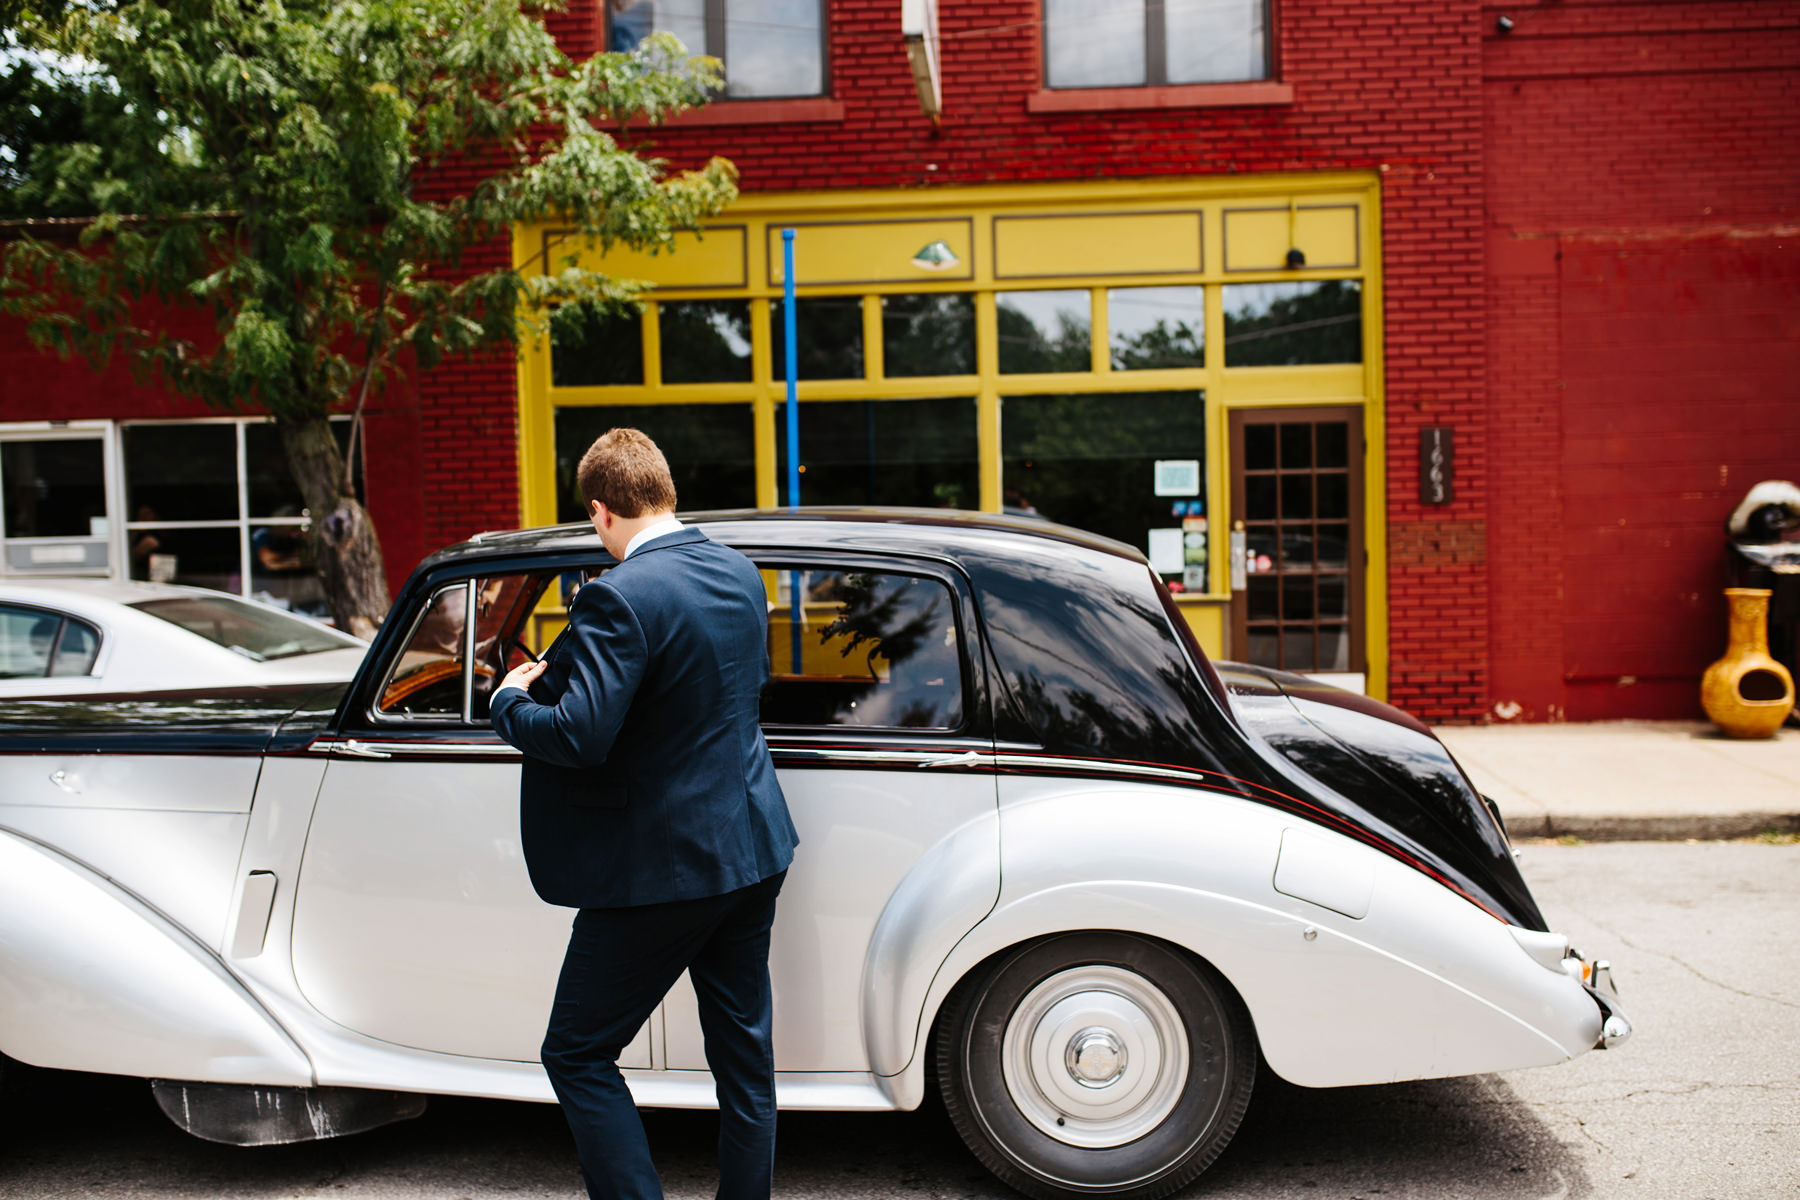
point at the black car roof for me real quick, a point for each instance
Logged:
(921, 530)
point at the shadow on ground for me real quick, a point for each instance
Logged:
(64, 1134)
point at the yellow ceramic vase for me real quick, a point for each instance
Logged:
(1747, 693)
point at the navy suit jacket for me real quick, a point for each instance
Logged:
(646, 776)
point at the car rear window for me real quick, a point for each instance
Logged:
(257, 633)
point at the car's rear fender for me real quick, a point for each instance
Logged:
(1423, 984)
(94, 979)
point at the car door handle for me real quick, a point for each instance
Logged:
(362, 749)
(968, 758)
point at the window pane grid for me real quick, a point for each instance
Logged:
(1297, 531)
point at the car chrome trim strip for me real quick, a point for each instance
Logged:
(855, 756)
(375, 749)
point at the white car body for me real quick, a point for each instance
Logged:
(139, 652)
(343, 904)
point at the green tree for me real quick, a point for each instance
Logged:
(283, 166)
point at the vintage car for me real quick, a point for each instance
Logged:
(1048, 849)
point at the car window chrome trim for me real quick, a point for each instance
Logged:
(868, 757)
(374, 713)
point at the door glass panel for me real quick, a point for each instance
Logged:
(54, 487)
(1334, 547)
(705, 341)
(711, 450)
(1046, 331)
(1297, 648)
(865, 649)
(1334, 444)
(1263, 543)
(1334, 597)
(1290, 324)
(1260, 498)
(1296, 497)
(1297, 548)
(1264, 645)
(590, 347)
(426, 680)
(1297, 598)
(503, 610)
(1259, 448)
(911, 452)
(1296, 447)
(1265, 598)
(1334, 497)
(1149, 328)
(828, 333)
(928, 335)
(1334, 648)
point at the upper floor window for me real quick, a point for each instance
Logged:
(1149, 43)
(770, 48)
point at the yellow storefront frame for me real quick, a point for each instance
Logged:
(1210, 232)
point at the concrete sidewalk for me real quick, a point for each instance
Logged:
(1632, 780)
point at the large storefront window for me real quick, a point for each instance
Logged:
(711, 449)
(918, 453)
(1128, 466)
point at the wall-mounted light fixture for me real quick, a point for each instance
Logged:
(1296, 257)
(1504, 24)
(936, 257)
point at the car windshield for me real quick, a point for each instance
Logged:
(255, 632)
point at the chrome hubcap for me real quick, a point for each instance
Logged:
(1095, 1057)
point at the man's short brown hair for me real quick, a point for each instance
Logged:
(625, 471)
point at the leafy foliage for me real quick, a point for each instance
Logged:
(288, 167)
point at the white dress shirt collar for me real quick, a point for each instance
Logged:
(671, 525)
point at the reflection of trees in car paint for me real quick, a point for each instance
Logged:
(905, 621)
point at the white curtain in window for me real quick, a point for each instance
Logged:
(1094, 43)
(1215, 41)
(773, 48)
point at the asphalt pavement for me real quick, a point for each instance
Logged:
(1615, 781)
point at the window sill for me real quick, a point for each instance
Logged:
(1186, 95)
(762, 112)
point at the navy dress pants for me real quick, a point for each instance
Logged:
(621, 961)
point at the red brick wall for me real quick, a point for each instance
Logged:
(1643, 165)
(1392, 89)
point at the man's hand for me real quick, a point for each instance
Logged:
(522, 676)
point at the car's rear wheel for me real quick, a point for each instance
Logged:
(1096, 1064)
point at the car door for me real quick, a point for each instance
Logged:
(877, 716)
(415, 921)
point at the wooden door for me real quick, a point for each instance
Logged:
(1296, 492)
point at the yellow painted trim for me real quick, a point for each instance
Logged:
(1139, 205)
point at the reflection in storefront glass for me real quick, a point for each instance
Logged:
(828, 337)
(185, 472)
(209, 558)
(1044, 331)
(1152, 328)
(591, 348)
(705, 341)
(909, 452)
(769, 47)
(711, 450)
(1092, 461)
(267, 479)
(1291, 324)
(53, 487)
(928, 335)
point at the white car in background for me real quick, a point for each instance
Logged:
(70, 637)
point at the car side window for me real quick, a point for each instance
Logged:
(427, 679)
(35, 643)
(861, 648)
(444, 674)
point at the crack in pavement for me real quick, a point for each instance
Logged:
(1683, 963)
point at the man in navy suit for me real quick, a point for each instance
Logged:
(648, 801)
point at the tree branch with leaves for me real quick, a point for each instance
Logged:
(284, 167)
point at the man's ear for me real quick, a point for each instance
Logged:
(598, 512)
